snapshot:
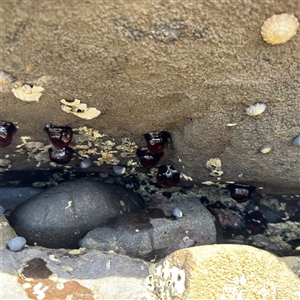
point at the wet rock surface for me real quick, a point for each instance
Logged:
(154, 233)
(60, 216)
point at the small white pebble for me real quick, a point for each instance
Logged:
(176, 212)
(16, 244)
(266, 148)
(86, 163)
(120, 170)
(256, 109)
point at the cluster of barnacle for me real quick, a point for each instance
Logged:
(166, 282)
(215, 166)
(149, 157)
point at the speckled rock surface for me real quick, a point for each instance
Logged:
(60, 216)
(153, 233)
(93, 274)
(231, 272)
(79, 275)
(189, 68)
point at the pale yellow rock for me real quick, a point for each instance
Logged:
(234, 272)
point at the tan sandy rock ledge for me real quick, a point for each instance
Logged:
(204, 272)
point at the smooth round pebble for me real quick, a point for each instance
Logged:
(86, 163)
(120, 170)
(266, 148)
(296, 140)
(1, 210)
(16, 244)
(176, 212)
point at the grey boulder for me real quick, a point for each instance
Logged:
(62, 215)
(154, 233)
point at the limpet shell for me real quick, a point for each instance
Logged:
(278, 29)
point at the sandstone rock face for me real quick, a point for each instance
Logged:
(227, 272)
(153, 233)
(62, 215)
(188, 68)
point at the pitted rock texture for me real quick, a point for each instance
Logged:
(153, 233)
(189, 68)
(234, 272)
(60, 216)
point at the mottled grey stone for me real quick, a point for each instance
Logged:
(154, 232)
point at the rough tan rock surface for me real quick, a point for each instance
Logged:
(189, 68)
(234, 272)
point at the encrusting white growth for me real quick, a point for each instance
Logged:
(256, 109)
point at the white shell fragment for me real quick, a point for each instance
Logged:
(79, 109)
(278, 29)
(256, 109)
(296, 140)
(266, 148)
(27, 92)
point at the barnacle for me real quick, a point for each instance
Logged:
(215, 165)
(278, 29)
(256, 109)
(165, 282)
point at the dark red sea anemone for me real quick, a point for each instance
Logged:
(7, 130)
